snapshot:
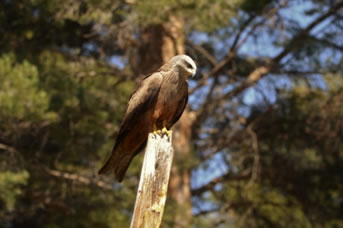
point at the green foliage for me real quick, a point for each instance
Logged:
(86, 104)
(255, 7)
(59, 113)
(202, 15)
(11, 187)
(305, 142)
(20, 95)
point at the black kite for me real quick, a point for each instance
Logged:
(157, 103)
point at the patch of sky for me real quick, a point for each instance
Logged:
(296, 11)
(331, 56)
(263, 43)
(323, 27)
(197, 98)
(199, 37)
(220, 47)
(89, 48)
(251, 96)
(192, 84)
(244, 111)
(265, 90)
(200, 205)
(211, 168)
(117, 61)
(229, 87)
(317, 81)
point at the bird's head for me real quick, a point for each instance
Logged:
(185, 64)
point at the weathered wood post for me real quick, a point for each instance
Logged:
(153, 184)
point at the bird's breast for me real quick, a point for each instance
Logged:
(170, 95)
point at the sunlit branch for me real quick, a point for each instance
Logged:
(262, 71)
(80, 179)
(237, 44)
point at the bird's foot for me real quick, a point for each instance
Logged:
(162, 132)
(157, 132)
(166, 132)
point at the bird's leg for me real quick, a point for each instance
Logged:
(165, 130)
(156, 132)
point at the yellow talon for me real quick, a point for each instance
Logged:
(162, 132)
(156, 132)
(165, 131)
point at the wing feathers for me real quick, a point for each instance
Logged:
(141, 101)
(143, 98)
(180, 108)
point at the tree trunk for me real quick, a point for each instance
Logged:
(179, 185)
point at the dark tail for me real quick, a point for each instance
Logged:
(118, 165)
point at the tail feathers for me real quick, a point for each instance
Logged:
(118, 165)
(121, 168)
(107, 167)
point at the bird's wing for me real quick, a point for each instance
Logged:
(142, 100)
(143, 97)
(180, 107)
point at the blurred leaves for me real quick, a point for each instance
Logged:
(11, 187)
(20, 95)
(203, 15)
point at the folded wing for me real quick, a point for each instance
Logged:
(135, 126)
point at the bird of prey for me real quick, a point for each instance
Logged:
(156, 104)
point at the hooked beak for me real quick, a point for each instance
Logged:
(194, 72)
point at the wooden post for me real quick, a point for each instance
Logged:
(153, 184)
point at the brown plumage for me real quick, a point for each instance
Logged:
(159, 100)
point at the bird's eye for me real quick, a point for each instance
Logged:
(189, 66)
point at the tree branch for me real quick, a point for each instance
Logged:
(80, 179)
(237, 43)
(227, 177)
(10, 149)
(261, 71)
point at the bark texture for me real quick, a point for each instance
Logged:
(153, 183)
